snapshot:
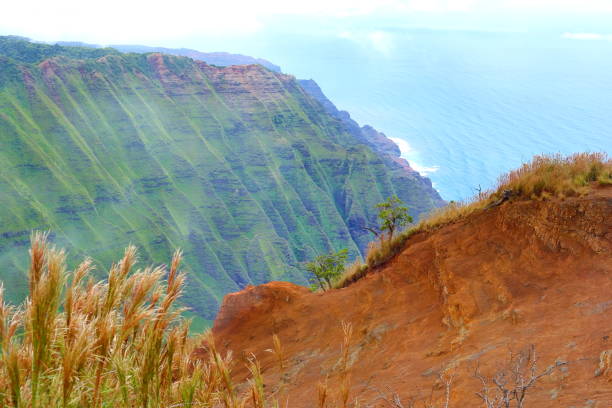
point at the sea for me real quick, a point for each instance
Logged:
(464, 106)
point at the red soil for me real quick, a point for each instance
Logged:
(530, 272)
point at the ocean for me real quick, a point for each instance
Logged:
(464, 106)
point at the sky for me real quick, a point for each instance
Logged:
(156, 22)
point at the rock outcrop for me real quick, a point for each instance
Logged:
(519, 274)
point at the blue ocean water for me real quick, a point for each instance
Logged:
(469, 105)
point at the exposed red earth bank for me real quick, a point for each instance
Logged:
(526, 272)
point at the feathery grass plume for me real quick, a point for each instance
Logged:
(119, 342)
(37, 258)
(135, 309)
(75, 355)
(47, 279)
(277, 350)
(69, 303)
(345, 378)
(122, 366)
(256, 384)
(12, 369)
(116, 287)
(175, 282)
(322, 393)
(105, 330)
(6, 312)
(347, 335)
(353, 273)
(222, 367)
(558, 175)
(187, 389)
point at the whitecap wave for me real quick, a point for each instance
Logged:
(407, 152)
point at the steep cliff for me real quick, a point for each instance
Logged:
(522, 273)
(238, 166)
(377, 141)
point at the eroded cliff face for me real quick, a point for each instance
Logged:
(238, 166)
(386, 148)
(527, 272)
(213, 58)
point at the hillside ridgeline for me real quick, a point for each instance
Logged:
(238, 165)
(436, 325)
(462, 292)
(222, 59)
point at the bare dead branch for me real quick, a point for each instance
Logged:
(373, 231)
(513, 383)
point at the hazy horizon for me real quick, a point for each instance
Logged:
(197, 24)
(408, 68)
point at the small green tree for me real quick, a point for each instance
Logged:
(392, 215)
(325, 269)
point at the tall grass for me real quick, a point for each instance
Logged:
(78, 342)
(121, 342)
(545, 177)
(558, 176)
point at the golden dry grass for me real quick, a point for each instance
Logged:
(352, 274)
(76, 342)
(121, 342)
(558, 176)
(544, 177)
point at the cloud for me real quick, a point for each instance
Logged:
(377, 40)
(381, 42)
(150, 21)
(442, 6)
(118, 21)
(587, 36)
(574, 6)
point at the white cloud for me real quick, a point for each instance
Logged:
(377, 40)
(587, 36)
(442, 6)
(575, 6)
(113, 21)
(381, 42)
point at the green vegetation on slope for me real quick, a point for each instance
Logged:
(23, 50)
(237, 166)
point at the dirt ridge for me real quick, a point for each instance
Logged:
(525, 272)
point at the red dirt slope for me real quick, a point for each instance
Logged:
(528, 272)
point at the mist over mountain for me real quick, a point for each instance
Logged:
(213, 58)
(239, 166)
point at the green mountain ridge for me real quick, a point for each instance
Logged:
(213, 58)
(238, 166)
